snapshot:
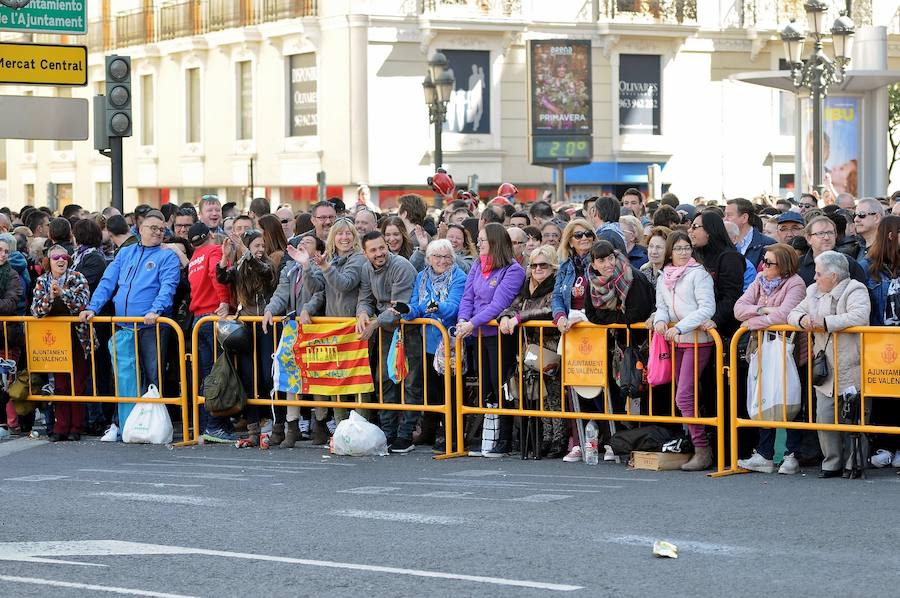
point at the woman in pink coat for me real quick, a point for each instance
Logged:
(767, 302)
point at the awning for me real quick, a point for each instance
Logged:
(854, 81)
(607, 173)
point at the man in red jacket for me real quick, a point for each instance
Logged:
(208, 297)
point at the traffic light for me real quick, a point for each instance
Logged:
(118, 96)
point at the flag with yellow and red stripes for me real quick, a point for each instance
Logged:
(331, 359)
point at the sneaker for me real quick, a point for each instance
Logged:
(881, 458)
(220, 436)
(757, 463)
(111, 434)
(496, 453)
(790, 465)
(48, 390)
(896, 461)
(574, 455)
(402, 445)
(332, 425)
(476, 453)
(304, 426)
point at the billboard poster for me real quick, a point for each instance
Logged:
(304, 99)
(560, 87)
(639, 94)
(840, 143)
(469, 108)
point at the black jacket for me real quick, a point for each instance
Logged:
(640, 302)
(757, 248)
(807, 269)
(727, 271)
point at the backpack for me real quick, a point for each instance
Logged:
(645, 438)
(629, 370)
(222, 388)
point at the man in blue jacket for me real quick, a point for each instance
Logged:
(141, 282)
(751, 242)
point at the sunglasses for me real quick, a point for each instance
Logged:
(806, 206)
(59, 256)
(582, 234)
(862, 215)
(539, 266)
(285, 220)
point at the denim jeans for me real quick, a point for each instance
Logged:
(151, 355)
(401, 424)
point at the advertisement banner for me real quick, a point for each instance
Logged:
(49, 346)
(560, 87)
(639, 94)
(840, 143)
(304, 98)
(469, 108)
(585, 357)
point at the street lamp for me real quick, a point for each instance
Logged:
(438, 86)
(817, 72)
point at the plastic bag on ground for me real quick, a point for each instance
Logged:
(356, 437)
(148, 423)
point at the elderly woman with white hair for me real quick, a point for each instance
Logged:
(436, 294)
(833, 303)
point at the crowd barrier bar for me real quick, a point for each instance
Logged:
(136, 323)
(446, 408)
(717, 421)
(736, 422)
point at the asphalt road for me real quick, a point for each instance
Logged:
(89, 519)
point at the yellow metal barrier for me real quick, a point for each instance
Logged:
(877, 380)
(180, 401)
(716, 421)
(445, 407)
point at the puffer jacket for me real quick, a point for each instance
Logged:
(846, 305)
(688, 305)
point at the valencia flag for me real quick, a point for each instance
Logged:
(331, 359)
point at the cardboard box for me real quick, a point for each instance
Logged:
(658, 461)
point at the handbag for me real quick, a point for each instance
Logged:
(535, 355)
(773, 383)
(820, 370)
(659, 365)
(439, 365)
(148, 423)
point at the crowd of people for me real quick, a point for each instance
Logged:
(480, 269)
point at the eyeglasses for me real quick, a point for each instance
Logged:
(285, 220)
(519, 242)
(539, 265)
(862, 215)
(582, 234)
(806, 206)
(59, 256)
(441, 256)
(325, 218)
(696, 226)
(790, 228)
(157, 230)
(768, 263)
(824, 234)
(480, 241)
(682, 249)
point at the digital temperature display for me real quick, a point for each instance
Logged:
(548, 149)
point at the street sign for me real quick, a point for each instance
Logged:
(46, 16)
(43, 64)
(36, 117)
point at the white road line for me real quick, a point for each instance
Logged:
(686, 545)
(17, 445)
(479, 473)
(515, 484)
(221, 466)
(88, 586)
(508, 486)
(62, 478)
(172, 499)
(400, 517)
(383, 491)
(22, 551)
(175, 474)
(329, 463)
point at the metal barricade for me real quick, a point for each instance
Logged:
(443, 406)
(716, 360)
(57, 337)
(879, 349)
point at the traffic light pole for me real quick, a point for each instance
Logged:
(118, 184)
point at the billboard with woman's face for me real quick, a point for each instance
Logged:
(840, 143)
(560, 87)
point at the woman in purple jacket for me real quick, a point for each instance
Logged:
(492, 285)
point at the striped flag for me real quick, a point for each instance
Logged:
(332, 360)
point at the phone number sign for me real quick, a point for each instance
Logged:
(67, 17)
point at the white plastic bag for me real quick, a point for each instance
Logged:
(356, 437)
(148, 423)
(766, 397)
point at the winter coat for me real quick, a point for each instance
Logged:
(448, 306)
(140, 280)
(639, 304)
(846, 305)
(638, 256)
(12, 296)
(562, 292)
(92, 264)
(757, 248)
(341, 285)
(529, 306)
(380, 289)
(785, 298)
(485, 298)
(878, 293)
(727, 271)
(295, 293)
(807, 269)
(75, 296)
(688, 305)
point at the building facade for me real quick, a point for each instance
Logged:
(248, 98)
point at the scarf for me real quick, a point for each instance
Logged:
(81, 252)
(610, 292)
(440, 284)
(768, 286)
(672, 274)
(487, 266)
(581, 262)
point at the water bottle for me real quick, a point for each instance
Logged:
(591, 444)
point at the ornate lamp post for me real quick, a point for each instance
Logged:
(438, 85)
(817, 72)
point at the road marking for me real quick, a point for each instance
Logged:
(172, 499)
(688, 545)
(37, 478)
(19, 551)
(541, 498)
(369, 490)
(400, 517)
(480, 473)
(221, 466)
(8, 447)
(62, 478)
(384, 491)
(504, 485)
(88, 586)
(329, 463)
(174, 474)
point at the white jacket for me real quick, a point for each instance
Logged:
(689, 304)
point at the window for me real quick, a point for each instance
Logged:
(103, 194)
(63, 195)
(146, 110)
(62, 145)
(193, 115)
(29, 195)
(303, 108)
(245, 100)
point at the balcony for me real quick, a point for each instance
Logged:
(471, 8)
(276, 10)
(180, 19)
(773, 14)
(673, 12)
(134, 28)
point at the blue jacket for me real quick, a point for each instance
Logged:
(878, 290)
(757, 248)
(448, 307)
(140, 280)
(638, 256)
(612, 232)
(749, 274)
(561, 302)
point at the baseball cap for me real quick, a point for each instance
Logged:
(791, 217)
(198, 233)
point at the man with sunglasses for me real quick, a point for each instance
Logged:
(141, 282)
(869, 213)
(285, 216)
